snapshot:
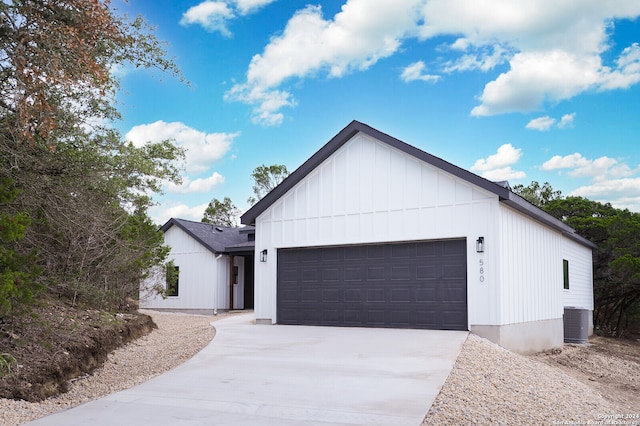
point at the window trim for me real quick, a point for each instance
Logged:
(177, 283)
(565, 273)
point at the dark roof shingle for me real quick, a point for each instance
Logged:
(216, 238)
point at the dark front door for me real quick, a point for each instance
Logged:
(400, 285)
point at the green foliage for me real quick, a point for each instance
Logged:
(537, 195)
(616, 261)
(18, 273)
(6, 361)
(80, 196)
(223, 213)
(266, 178)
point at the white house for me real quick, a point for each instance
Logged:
(373, 232)
(214, 266)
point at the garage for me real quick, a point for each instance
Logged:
(397, 285)
(373, 232)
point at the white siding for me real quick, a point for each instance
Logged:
(199, 276)
(369, 192)
(580, 293)
(531, 270)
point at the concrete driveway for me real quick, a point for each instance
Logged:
(288, 375)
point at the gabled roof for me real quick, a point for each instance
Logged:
(502, 190)
(217, 239)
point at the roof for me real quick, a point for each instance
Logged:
(502, 190)
(217, 239)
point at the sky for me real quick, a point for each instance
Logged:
(515, 90)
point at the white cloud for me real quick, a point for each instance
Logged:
(504, 173)
(567, 120)
(541, 123)
(163, 212)
(628, 71)
(415, 71)
(621, 193)
(553, 49)
(497, 167)
(364, 32)
(202, 149)
(545, 123)
(599, 170)
(611, 180)
(537, 77)
(483, 59)
(214, 15)
(556, 47)
(506, 155)
(199, 185)
(247, 6)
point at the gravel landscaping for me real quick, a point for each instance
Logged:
(491, 385)
(488, 385)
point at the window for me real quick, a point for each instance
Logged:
(172, 278)
(565, 271)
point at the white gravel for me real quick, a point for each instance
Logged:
(488, 384)
(491, 385)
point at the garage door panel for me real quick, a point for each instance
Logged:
(376, 273)
(353, 296)
(401, 295)
(308, 295)
(375, 252)
(375, 295)
(407, 285)
(401, 273)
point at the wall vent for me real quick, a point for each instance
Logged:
(576, 325)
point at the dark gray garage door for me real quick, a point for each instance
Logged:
(405, 285)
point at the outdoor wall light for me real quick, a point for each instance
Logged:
(480, 245)
(263, 255)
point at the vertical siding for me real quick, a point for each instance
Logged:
(369, 192)
(199, 271)
(580, 293)
(530, 270)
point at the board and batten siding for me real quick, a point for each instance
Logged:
(580, 293)
(368, 192)
(531, 280)
(199, 274)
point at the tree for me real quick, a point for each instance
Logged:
(266, 178)
(616, 261)
(18, 274)
(223, 213)
(84, 190)
(537, 195)
(57, 56)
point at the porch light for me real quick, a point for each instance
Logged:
(263, 255)
(480, 245)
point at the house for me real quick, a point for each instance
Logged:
(373, 232)
(213, 265)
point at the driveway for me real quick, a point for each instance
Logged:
(288, 375)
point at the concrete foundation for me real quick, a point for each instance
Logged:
(188, 311)
(264, 321)
(524, 338)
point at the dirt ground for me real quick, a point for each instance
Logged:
(610, 365)
(56, 342)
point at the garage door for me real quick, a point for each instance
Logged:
(405, 285)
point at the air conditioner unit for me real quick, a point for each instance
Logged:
(576, 325)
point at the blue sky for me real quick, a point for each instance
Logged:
(508, 89)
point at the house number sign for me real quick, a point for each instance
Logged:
(481, 265)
